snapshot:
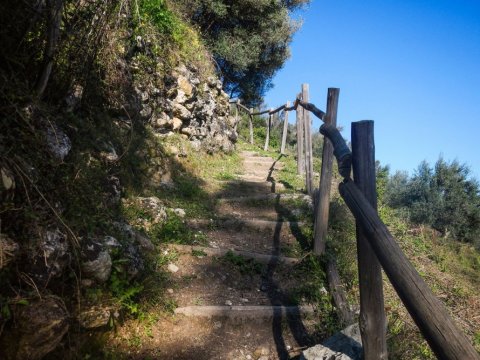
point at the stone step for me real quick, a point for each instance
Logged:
(235, 188)
(261, 258)
(246, 312)
(266, 197)
(232, 280)
(268, 208)
(264, 237)
(242, 224)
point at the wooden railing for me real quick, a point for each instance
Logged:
(376, 247)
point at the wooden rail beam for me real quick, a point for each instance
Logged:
(430, 315)
(310, 107)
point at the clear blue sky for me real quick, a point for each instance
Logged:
(413, 66)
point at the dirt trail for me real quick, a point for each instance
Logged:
(231, 306)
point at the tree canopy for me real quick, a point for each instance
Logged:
(249, 40)
(443, 196)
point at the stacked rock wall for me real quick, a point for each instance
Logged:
(198, 109)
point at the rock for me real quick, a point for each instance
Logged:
(170, 291)
(111, 243)
(96, 260)
(153, 206)
(113, 189)
(187, 131)
(94, 317)
(185, 86)
(8, 250)
(161, 121)
(180, 97)
(74, 97)
(345, 345)
(50, 258)
(40, 326)
(144, 242)
(181, 112)
(58, 142)
(109, 155)
(172, 268)
(8, 179)
(261, 352)
(179, 212)
(228, 303)
(87, 283)
(146, 111)
(176, 123)
(135, 264)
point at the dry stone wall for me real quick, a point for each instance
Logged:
(198, 109)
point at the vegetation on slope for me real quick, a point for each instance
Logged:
(249, 40)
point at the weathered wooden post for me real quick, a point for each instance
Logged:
(307, 126)
(373, 325)
(430, 315)
(285, 130)
(250, 124)
(236, 115)
(299, 119)
(267, 136)
(323, 201)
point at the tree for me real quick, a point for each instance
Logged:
(248, 38)
(444, 197)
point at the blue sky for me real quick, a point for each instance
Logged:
(412, 66)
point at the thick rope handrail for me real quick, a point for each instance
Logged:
(307, 106)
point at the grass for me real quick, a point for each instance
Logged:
(243, 265)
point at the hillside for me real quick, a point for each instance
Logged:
(136, 221)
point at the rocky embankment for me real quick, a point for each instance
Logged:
(197, 109)
(55, 273)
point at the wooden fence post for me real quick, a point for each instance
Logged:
(430, 315)
(299, 119)
(236, 115)
(307, 125)
(323, 207)
(373, 325)
(250, 124)
(267, 136)
(285, 130)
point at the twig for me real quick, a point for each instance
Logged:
(75, 239)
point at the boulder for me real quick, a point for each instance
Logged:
(58, 143)
(40, 326)
(50, 257)
(345, 345)
(96, 260)
(94, 317)
(176, 123)
(181, 112)
(8, 250)
(74, 97)
(185, 86)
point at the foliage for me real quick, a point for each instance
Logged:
(249, 40)
(124, 291)
(244, 266)
(444, 197)
(313, 290)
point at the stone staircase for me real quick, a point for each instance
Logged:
(239, 291)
